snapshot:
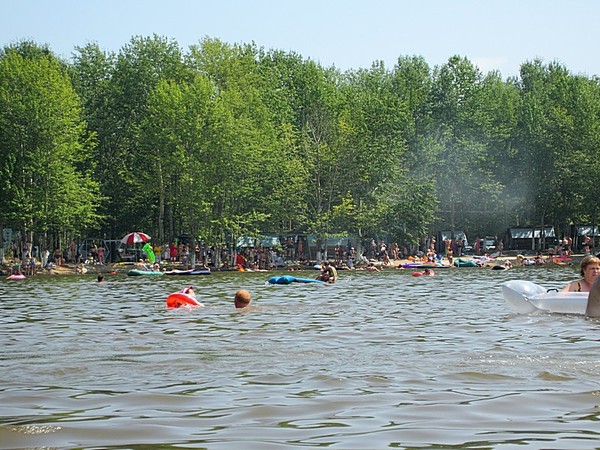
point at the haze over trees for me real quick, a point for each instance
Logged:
(221, 140)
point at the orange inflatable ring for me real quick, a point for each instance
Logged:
(423, 274)
(179, 299)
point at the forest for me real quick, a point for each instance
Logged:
(222, 140)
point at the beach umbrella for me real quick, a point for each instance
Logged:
(135, 237)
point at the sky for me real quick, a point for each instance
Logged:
(348, 34)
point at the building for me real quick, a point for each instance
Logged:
(530, 238)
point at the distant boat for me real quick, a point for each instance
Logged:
(525, 297)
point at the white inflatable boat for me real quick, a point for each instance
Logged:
(525, 297)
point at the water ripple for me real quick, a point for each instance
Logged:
(374, 361)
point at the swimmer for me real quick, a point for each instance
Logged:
(242, 299)
(589, 270)
(189, 291)
(328, 273)
(372, 268)
(100, 278)
(188, 298)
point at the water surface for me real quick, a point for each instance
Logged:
(380, 360)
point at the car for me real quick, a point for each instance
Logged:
(467, 248)
(489, 244)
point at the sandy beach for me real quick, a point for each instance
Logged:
(124, 267)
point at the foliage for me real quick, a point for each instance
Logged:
(222, 140)
(45, 149)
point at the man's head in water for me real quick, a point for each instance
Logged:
(242, 298)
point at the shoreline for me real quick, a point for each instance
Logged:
(124, 267)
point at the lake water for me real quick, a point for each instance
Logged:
(382, 360)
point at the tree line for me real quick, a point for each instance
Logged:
(226, 140)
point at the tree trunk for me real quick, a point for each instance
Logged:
(161, 205)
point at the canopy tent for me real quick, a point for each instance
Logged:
(456, 234)
(531, 233)
(588, 230)
(329, 242)
(245, 242)
(269, 241)
(530, 238)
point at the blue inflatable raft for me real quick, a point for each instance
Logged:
(288, 279)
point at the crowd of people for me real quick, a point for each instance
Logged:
(375, 255)
(290, 251)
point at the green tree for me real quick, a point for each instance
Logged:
(586, 109)
(465, 186)
(240, 164)
(320, 150)
(91, 73)
(497, 119)
(115, 89)
(559, 136)
(45, 161)
(375, 125)
(283, 81)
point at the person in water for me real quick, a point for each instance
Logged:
(100, 278)
(372, 267)
(328, 273)
(593, 304)
(589, 269)
(189, 291)
(175, 300)
(242, 299)
(505, 266)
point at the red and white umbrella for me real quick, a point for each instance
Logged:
(135, 237)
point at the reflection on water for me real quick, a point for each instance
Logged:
(374, 361)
